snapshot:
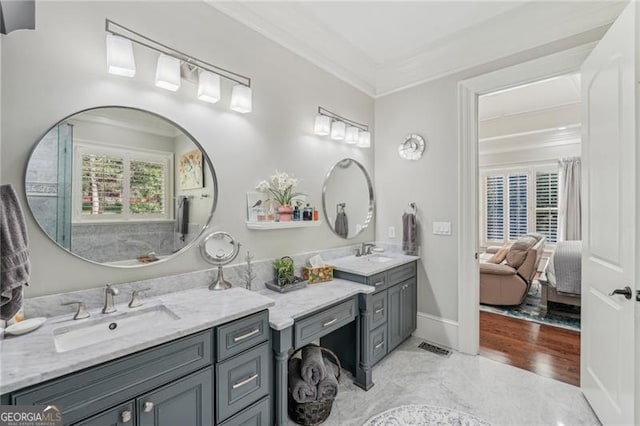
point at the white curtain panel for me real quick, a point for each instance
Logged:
(570, 199)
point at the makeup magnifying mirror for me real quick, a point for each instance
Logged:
(219, 248)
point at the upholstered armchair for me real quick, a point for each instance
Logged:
(508, 282)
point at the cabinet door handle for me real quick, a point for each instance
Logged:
(328, 323)
(378, 311)
(379, 345)
(379, 283)
(125, 416)
(147, 407)
(244, 382)
(246, 336)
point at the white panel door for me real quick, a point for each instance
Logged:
(609, 223)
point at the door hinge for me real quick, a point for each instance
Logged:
(476, 255)
(638, 295)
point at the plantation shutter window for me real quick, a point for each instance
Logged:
(547, 205)
(495, 207)
(119, 184)
(147, 187)
(518, 215)
(102, 184)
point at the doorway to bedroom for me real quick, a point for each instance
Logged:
(529, 222)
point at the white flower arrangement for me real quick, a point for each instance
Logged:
(281, 186)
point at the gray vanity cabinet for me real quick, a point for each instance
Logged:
(394, 323)
(216, 376)
(184, 402)
(402, 312)
(391, 309)
(118, 416)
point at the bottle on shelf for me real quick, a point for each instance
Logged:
(316, 215)
(271, 213)
(296, 213)
(307, 213)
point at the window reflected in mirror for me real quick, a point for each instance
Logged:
(120, 186)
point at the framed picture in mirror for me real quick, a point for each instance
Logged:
(191, 170)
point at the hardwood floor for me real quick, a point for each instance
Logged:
(545, 350)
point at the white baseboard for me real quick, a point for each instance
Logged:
(437, 330)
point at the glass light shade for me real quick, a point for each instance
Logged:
(338, 130)
(352, 135)
(208, 86)
(241, 99)
(364, 140)
(168, 73)
(120, 60)
(322, 126)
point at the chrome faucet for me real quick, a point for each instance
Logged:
(82, 311)
(109, 306)
(366, 248)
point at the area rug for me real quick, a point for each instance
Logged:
(420, 415)
(558, 315)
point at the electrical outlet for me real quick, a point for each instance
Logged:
(392, 232)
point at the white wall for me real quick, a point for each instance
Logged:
(59, 69)
(430, 109)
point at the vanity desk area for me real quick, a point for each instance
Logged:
(348, 316)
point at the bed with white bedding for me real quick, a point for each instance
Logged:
(562, 278)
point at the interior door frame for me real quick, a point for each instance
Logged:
(565, 62)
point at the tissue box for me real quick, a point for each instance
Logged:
(317, 275)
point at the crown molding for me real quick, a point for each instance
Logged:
(336, 56)
(506, 34)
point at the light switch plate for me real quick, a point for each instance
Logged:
(442, 228)
(392, 232)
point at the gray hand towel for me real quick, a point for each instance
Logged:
(409, 233)
(328, 387)
(312, 368)
(301, 391)
(14, 253)
(342, 224)
(182, 216)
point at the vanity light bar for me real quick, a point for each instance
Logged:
(341, 128)
(188, 65)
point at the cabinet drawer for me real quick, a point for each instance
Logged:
(401, 273)
(256, 415)
(242, 334)
(379, 281)
(187, 401)
(242, 380)
(122, 415)
(83, 394)
(378, 310)
(378, 344)
(316, 326)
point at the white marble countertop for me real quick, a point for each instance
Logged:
(298, 303)
(32, 358)
(370, 264)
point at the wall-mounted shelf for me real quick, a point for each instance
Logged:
(264, 226)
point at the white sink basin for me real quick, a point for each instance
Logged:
(113, 326)
(379, 259)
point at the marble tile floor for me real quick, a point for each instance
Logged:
(494, 392)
